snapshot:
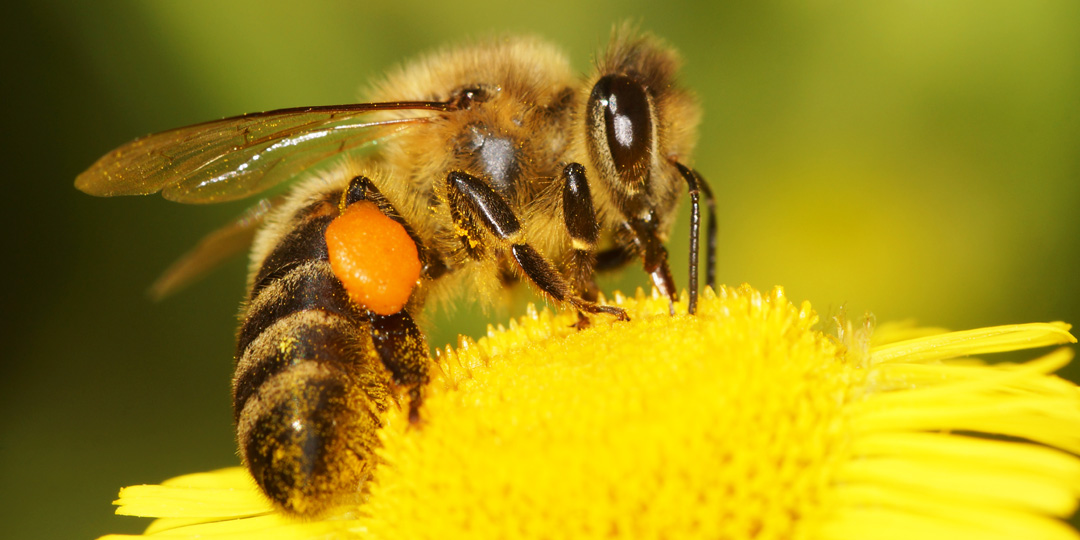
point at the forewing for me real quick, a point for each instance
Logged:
(215, 248)
(236, 157)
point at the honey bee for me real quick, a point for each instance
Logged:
(488, 164)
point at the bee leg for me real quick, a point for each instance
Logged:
(579, 217)
(710, 233)
(696, 185)
(580, 220)
(645, 240)
(472, 200)
(361, 188)
(582, 322)
(404, 351)
(399, 343)
(609, 259)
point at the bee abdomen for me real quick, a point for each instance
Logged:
(309, 440)
(311, 286)
(302, 336)
(309, 390)
(306, 242)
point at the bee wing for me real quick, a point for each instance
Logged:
(232, 239)
(233, 158)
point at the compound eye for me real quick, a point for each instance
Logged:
(466, 96)
(627, 122)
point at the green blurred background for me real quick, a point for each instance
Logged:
(918, 159)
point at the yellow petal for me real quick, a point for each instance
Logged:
(743, 421)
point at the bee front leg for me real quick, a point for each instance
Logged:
(473, 201)
(640, 235)
(696, 185)
(644, 236)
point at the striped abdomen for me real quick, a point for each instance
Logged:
(310, 387)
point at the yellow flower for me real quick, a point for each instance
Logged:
(740, 422)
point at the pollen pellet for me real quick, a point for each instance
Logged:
(374, 258)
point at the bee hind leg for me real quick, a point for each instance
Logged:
(404, 351)
(396, 339)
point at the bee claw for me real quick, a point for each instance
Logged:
(416, 399)
(618, 312)
(414, 414)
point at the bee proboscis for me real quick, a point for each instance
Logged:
(491, 163)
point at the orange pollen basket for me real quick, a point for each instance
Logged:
(374, 258)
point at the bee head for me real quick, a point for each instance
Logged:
(638, 122)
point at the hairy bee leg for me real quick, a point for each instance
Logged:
(361, 188)
(404, 351)
(544, 275)
(472, 200)
(579, 218)
(399, 343)
(610, 259)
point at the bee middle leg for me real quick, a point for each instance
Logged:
(607, 260)
(579, 218)
(473, 203)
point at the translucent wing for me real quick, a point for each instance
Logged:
(215, 248)
(236, 157)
